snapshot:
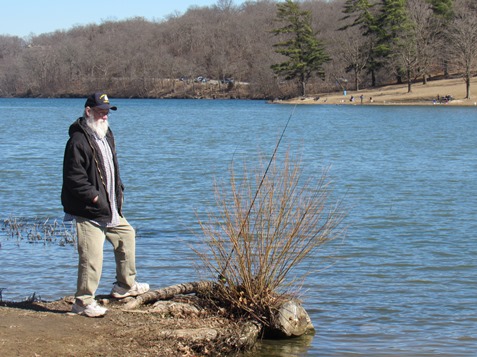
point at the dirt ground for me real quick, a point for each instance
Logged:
(40, 329)
(421, 94)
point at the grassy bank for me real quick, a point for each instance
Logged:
(421, 94)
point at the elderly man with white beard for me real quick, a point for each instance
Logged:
(92, 195)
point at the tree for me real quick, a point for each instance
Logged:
(355, 52)
(414, 48)
(306, 54)
(442, 7)
(426, 30)
(361, 12)
(393, 23)
(11, 48)
(462, 39)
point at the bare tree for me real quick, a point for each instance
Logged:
(354, 49)
(414, 49)
(11, 48)
(426, 30)
(462, 39)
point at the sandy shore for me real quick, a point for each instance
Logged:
(397, 95)
(47, 329)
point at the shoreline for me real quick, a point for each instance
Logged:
(396, 95)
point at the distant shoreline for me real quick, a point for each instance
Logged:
(428, 94)
(397, 95)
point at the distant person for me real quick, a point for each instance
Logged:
(92, 195)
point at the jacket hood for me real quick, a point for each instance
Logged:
(78, 125)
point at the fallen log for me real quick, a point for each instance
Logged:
(169, 292)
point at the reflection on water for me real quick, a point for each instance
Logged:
(282, 348)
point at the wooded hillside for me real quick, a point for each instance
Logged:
(227, 50)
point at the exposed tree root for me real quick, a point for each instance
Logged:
(290, 320)
(169, 292)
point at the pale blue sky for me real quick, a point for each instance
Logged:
(26, 17)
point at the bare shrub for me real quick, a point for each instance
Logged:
(266, 225)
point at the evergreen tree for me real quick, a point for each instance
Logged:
(442, 8)
(392, 23)
(361, 11)
(306, 54)
(363, 14)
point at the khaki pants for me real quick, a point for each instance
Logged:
(90, 248)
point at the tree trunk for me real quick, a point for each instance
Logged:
(302, 88)
(467, 85)
(424, 79)
(291, 320)
(356, 80)
(169, 292)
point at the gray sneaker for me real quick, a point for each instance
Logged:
(137, 289)
(91, 310)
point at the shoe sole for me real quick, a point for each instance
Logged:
(94, 316)
(72, 313)
(122, 296)
(84, 313)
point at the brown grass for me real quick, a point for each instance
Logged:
(422, 94)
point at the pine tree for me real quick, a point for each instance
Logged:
(442, 7)
(392, 23)
(306, 54)
(361, 11)
(363, 14)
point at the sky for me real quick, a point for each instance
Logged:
(34, 17)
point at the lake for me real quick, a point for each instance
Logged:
(402, 282)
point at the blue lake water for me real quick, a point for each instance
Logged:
(403, 282)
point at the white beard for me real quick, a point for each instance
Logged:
(100, 126)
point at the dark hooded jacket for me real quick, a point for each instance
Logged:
(84, 174)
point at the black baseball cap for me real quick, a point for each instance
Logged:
(99, 100)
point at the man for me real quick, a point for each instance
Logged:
(92, 194)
